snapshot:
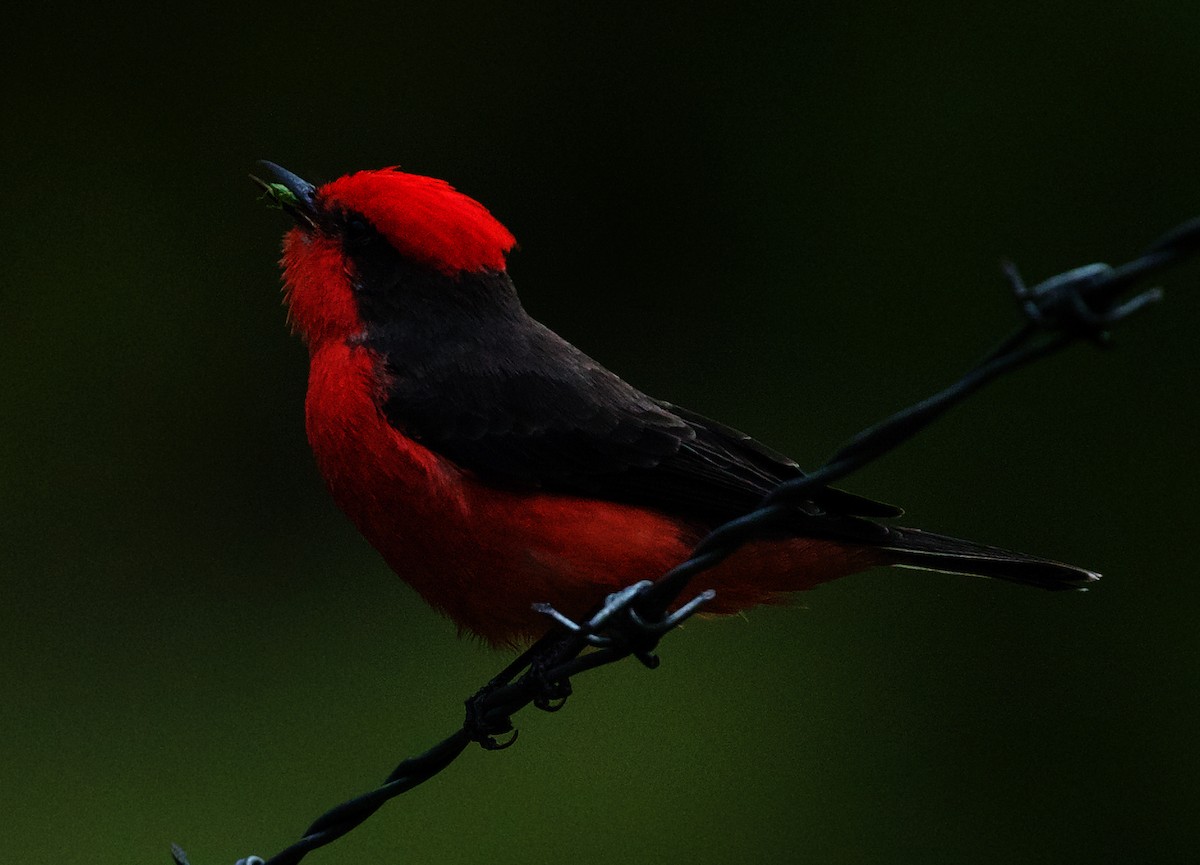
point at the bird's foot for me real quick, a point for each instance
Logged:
(552, 693)
(485, 722)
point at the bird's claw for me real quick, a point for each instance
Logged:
(484, 725)
(617, 625)
(552, 694)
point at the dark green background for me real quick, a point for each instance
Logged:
(786, 216)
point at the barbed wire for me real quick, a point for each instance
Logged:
(1079, 304)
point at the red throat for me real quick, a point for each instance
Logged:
(425, 219)
(317, 287)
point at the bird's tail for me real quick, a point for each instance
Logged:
(913, 548)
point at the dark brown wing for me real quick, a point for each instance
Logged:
(528, 409)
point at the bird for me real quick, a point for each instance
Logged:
(497, 468)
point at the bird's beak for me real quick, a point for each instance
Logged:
(289, 193)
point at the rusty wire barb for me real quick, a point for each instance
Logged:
(1082, 303)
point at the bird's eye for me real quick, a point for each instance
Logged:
(357, 232)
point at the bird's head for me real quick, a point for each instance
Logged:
(368, 244)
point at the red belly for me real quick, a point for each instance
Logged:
(484, 555)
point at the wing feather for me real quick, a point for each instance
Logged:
(547, 416)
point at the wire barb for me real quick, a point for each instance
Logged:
(1061, 303)
(619, 625)
(1082, 303)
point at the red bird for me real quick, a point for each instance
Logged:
(494, 465)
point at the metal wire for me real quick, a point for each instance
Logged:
(1083, 303)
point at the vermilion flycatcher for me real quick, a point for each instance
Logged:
(494, 465)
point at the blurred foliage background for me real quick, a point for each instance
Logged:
(788, 216)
